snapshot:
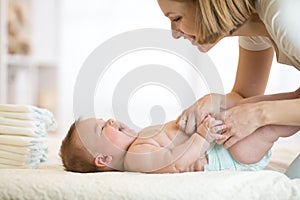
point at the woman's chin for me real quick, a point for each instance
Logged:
(203, 50)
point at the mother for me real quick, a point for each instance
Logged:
(263, 26)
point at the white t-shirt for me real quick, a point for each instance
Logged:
(282, 21)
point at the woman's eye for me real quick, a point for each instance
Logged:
(176, 19)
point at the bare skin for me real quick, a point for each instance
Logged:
(155, 151)
(251, 80)
(166, 148)
(269, 134)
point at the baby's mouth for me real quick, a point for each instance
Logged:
(120, 129)
(124, 129)
(117, 125)
(128, 132)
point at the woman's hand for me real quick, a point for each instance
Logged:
(193, 116)
(241, 121)
(211, 129)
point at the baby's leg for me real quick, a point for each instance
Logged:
(253, 148)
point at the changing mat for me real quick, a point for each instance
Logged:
(52, 182)
(57, 184)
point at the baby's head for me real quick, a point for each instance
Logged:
(93, 145)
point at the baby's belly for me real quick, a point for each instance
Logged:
(197, 166)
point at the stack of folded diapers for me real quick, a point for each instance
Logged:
(23, 131)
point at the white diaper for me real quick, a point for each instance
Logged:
(220, 158)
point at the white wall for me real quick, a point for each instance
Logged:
(282, 77)
(45, 33)
(85, 24)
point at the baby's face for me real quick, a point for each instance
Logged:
(105, 137)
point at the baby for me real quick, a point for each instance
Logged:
(93, 145)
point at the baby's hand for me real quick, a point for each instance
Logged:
(211, 129)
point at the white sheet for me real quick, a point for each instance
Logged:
(57, 184)
(51, 182)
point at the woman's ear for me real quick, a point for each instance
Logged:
(102, 160)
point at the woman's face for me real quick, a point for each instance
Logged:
(183, 24)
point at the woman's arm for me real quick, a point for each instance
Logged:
(252, 72)
(272, 97)
(251, 76)
(282, 112)
(251, 80)
(276, 109)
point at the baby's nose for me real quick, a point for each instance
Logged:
(110, 122)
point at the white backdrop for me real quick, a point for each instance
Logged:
(85, 24)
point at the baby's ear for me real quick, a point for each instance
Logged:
(102, 160)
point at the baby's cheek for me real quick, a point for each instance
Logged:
(111, 134)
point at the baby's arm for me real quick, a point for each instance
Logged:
(152, 158)
(211, 129)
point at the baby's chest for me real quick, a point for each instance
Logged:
(170, 139)
(162, 136)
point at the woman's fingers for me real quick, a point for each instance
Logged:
(219, 129)
(212, 129)
(210, 137)
(181, 122)
(191, 125)
(231, 141)
(221, 141)
(188, 123)
(216, 136)
(228, 140)
(216, 123)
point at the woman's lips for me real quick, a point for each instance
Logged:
(203, 48)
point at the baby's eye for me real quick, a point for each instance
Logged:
(99, 130)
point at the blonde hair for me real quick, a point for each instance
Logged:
(218, 18)
(74, 155)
